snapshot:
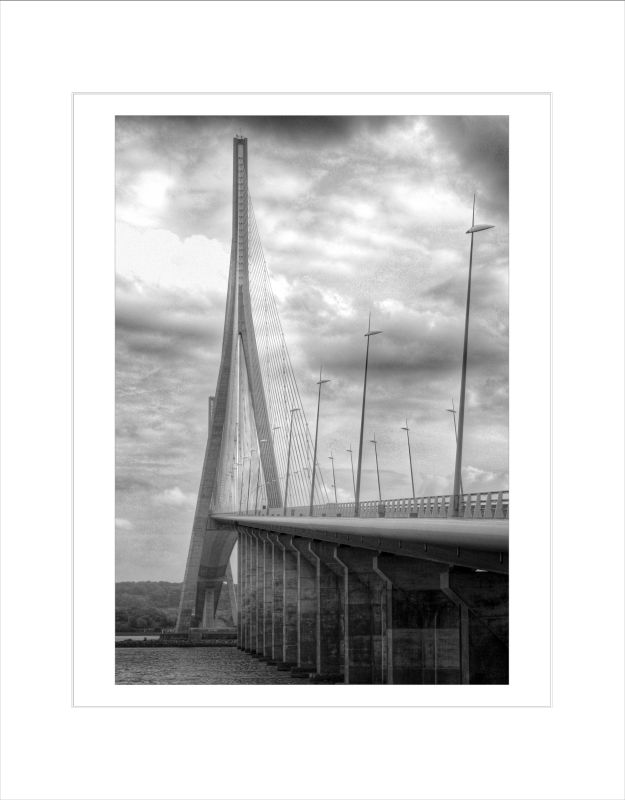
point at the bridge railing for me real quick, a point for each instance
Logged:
(472, 505)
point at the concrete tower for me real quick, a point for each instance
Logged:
(210, 548)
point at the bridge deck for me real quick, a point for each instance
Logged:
(479, 544)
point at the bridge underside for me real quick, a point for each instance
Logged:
(360, 612)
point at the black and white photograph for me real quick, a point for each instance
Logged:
(312, 477)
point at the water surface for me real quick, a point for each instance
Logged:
(194, 665)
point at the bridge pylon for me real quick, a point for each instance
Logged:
(207, 568)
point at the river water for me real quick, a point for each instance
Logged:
(194, 665)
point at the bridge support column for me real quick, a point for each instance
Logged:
(248, 593)
(306, 607)
(289, 601)
(481, 599)
(330, 620)
(423, 626)
(364, 599)
(253, 592)
(241, 555)
(260, 593)
(208, 612)
(267, 619)
(245, 591)
(277, 599)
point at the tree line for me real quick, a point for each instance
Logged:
(146, 605)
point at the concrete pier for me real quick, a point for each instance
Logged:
(330, 638)
(363, 623)
(277, 600)
(357, 614)
(290, 620)
(267, 579)
(306, 607)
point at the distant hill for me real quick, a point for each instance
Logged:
(146, 605)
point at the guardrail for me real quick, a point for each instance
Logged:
(472, 505)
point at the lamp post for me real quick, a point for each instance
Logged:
(351, 458)
(377, 468)
(320, 383)
(368, 336)
(407, 429)
(452, 410)
(456, 499)
(331, 457)
(288, 463)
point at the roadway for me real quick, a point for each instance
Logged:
(473, 543)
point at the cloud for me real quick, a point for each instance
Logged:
(141, 202)
(161, 258)
(123, 524)
(175, 497)
(480, 145)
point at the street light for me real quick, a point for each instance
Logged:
(288, 462)
(407, 429)
(456, 498)
(452, 410)
(351, 458)
(377, 468)
(262, 441)
(320, 383)
(368, 336)
(331, 457)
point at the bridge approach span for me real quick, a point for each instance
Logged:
(476, 544)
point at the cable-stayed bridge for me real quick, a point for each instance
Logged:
(408, 590)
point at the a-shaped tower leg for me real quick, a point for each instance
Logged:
(210, 548)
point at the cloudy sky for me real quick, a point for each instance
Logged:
(356, 215)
